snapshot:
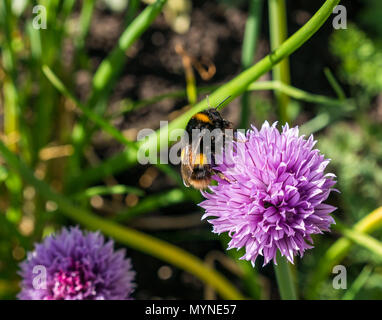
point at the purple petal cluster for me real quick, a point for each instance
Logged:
(76, 265)
(273, 196)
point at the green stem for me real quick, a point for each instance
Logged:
(284, 278)
(106, 126)
(108, 190)
(335, 85)
(151, 203)
(360, 238)
(112, 65)
(251, 35)
(239, 84)
(294, 93)
(130, 237)
(233, 88)
(339, 250)
(113, 131)
(358, 283)
(85, 20)
(126, 159)
(11, 105)
(132, 9)
(107, 72)
(278, 34)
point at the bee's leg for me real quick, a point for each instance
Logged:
(221, 176)
(236, 139)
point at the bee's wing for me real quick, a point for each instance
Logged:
(186, 168)
(188, 154)
(186, 173)
(196, 144)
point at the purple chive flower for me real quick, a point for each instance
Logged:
(76, 265)
(274, 199)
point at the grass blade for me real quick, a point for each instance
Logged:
(130, 237)
(361, 239)
(151, 203)
(106, 126)
(112, 65)
(108, 190)
(339, 250)
(358, 283)
(335, 85)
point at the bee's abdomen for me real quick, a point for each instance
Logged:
(201, 172)
(201, 177)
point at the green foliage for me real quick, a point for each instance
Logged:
(41, 113)
(370, 17)
(360, 58)
(356, 155)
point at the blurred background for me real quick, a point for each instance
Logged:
(190, 48)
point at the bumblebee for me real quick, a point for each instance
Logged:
(196, 165)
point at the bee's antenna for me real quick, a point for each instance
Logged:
(217, 108)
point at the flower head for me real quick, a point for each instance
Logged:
(273, 197)
(76, 265)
